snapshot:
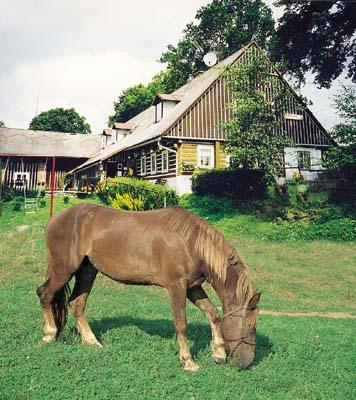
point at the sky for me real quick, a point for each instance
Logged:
(82, 54)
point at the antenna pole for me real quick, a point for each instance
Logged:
(38, 95)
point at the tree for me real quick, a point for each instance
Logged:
(224, 26)
(317, 36)
(2, 124)
(255, 138)
(60, 120)
(343, 157)
(135, 99)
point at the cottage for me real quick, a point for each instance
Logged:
(180, 133)
(26, 156)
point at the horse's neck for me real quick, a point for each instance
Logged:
(227, 290)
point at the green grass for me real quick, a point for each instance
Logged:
(297, 358)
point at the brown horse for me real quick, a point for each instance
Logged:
(172, 248)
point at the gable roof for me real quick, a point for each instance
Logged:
(146, 129)
(23, 142)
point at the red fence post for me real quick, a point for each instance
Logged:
(52, 186)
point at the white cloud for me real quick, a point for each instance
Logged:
(87, 82)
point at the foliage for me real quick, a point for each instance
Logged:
(223, 26)
(2, 124)
(255, 137)
(127, 202)
(236, 183)
(343, 157)
(17, 203)
(317, 36)
(66, 199)
(42, 203)
(60, 120)
(31, 192)
(153, 196)
(7, 193)
(136, 99)
(275, 219)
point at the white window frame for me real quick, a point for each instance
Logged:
(201, 147)
(153, 157)
(143, 165)
(163, 155)
(104, 141)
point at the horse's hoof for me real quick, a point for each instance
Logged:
(191, 366)
(219, 359)
(93, 343)
(47, 339)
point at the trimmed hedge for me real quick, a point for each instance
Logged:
(239, 184)
(151, 194)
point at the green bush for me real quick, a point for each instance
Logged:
(31, 193)
(152, 195)
(42, 203)
(239, 184)
(17, 203)
(7, 194)
(66, 199)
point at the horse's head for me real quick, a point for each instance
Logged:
(238, 328)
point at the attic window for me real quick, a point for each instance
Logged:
(295, 117)
(164, 103)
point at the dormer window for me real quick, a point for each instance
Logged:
(106, 137)
(164, 104)
(122, 129)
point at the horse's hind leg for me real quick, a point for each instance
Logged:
(52, 296)
(84, 279)
(198, 297)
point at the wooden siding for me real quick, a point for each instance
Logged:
(202, 119)
(37, 169)
(132, 158)
(188, 154)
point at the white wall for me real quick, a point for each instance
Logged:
(182, 184)
(291, 162)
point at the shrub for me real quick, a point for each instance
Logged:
(7, 194)
(42, 203)
(31, 193)
(127, 202)
(240, 184)
(17, 203)
(153, 196)
(66, 199)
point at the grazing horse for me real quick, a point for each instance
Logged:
(170, 247)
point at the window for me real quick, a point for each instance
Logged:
(153, 163)
(103, 141)
(143, 165)
(304, 160)
(205, 156)
(159, 111)
(165, 161)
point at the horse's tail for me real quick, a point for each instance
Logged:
(60, 307)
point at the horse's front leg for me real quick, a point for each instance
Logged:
(198, 297)
(178, 295)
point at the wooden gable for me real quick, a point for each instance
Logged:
(202, 119)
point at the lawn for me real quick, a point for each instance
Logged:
(297, 357)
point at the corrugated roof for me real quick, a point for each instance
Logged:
(146, 129)
(22, 142)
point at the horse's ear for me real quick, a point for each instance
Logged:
(252, 304)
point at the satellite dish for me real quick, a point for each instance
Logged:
(210, 59)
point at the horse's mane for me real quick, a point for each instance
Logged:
(212, 247)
